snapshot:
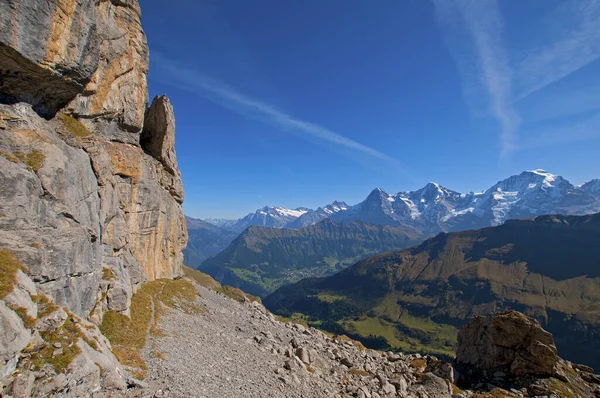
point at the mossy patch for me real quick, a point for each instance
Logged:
(9, 266)
(10, 157)
(74, 126)
(108, 274)
(33, 159)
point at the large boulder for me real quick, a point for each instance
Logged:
(511, 352)
(508, 340)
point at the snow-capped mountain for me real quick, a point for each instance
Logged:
(221, 222)
(434, 209)
(268, 216)
(313, 217)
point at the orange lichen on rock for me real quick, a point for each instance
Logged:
(126, 160)
(60, 32)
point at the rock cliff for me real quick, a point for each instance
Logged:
(89, 183)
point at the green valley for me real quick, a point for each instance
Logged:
(262, 259)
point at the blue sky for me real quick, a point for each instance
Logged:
(299, 103)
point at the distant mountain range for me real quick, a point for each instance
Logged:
(261, 259)
(433, 208)
(204, 240)
(415, 299)
(280, 217)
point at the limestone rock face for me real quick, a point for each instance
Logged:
(78, 194)
(92, 54)
(509, 339)
(87, 213)
(50, 209)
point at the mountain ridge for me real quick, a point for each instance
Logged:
(205, 240)
(546, 267)
(262, 258)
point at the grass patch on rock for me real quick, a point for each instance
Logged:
(201, 278)
(108, 274)
(9, 266)
(66, 336)
(28, 320)
(45, 305)
(59, 357)
(74, 126)
(127, 335)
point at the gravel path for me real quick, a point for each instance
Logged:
(238, 350)
(215, 354)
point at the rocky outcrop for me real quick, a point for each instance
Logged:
(89, 55)
(88, 211)
(47, 350)
(510, 340)
(511, 352)
(158, 135)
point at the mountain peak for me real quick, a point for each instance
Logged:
(541, 172)
(338, 203)
(377, 193)
(592, 187)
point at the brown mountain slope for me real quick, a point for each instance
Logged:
(548, 268)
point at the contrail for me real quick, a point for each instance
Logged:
(222, 94)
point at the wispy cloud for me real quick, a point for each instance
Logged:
(473, 30)
(572, 50)
(219, 92)
(481, 21)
